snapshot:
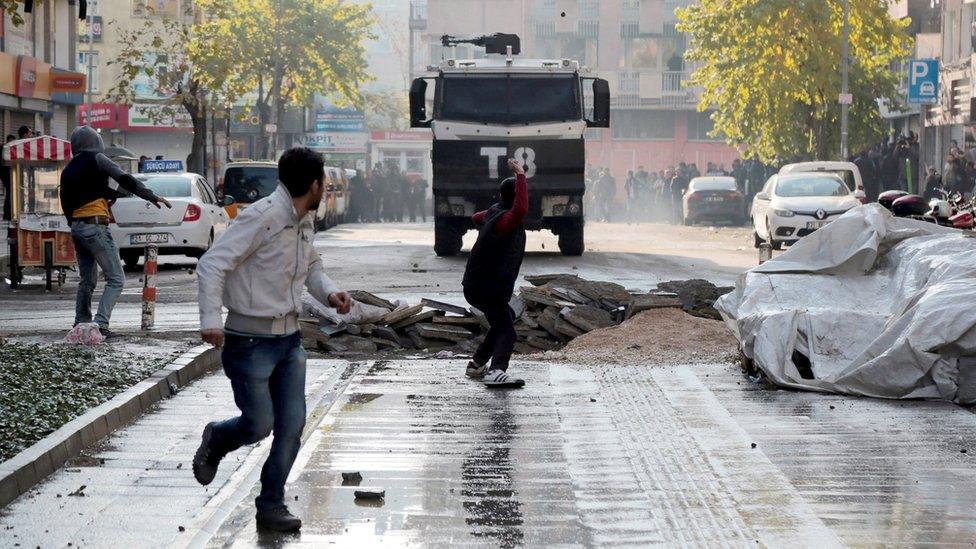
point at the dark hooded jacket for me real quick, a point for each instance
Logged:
(86, 177)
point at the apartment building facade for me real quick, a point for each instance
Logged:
(39, 86)
(632, 43)
(145, 126)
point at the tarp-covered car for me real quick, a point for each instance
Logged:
(870, 305)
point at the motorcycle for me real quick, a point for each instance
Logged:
(952, 210)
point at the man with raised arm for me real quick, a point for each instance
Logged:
(490, 275)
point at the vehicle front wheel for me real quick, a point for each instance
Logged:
(131, 259)
(571, 241)
(448, 239)
(756, 240)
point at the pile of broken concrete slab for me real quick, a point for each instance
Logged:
(552, 311)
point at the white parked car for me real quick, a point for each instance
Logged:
(791, 206)
(847, 171)
(189, 228)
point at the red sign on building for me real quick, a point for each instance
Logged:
(103, 115)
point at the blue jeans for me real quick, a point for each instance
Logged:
(268, 378)
(95, 248)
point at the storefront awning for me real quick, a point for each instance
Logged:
(38, 148)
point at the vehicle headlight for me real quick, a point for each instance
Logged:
(783, 213)
(574, 208)
(443, 207)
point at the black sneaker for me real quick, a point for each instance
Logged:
(205, 461)
(278, 519)
(108, 334)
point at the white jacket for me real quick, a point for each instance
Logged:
(259, 265)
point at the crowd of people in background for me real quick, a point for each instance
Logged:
(656, 196)
(387, 195)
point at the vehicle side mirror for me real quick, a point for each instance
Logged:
(418, 104)
(228, 200)
(762, 196)
(601, 104)
(859, 194)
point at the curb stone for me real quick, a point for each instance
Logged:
(21, 472)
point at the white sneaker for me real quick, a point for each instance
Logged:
(475, 371)
(501, 380)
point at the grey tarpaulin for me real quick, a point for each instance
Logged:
(880, 306)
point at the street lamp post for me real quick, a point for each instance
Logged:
(91, 52)
(845, 81)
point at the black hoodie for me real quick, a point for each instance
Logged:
(86, 177)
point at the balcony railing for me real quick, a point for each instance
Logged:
(673, 83)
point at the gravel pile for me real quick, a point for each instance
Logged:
(660, 336)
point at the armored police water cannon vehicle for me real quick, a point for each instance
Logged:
(487, 110)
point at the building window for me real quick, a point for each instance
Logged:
(638, 124)
(589, 9)
(83, 67)
(700, 124)
(630, 10)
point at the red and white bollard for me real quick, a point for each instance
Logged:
(149, 288)
(765, 252)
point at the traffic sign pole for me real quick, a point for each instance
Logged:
(845, 80)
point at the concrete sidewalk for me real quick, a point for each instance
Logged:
(136, 488)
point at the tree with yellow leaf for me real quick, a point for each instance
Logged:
(276, 53)
(772, 71)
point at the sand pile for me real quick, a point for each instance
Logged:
(658, 336)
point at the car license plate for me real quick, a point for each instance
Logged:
(814, 225)
(155, 238)
(713, 199)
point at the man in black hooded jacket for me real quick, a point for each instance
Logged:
(85, 195)
(489, 278)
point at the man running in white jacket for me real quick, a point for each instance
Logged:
(257, 269)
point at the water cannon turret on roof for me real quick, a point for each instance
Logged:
(497, 43)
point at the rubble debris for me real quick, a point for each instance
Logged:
(312, 335)
(370, 493)
(415, 319)
(350, 345)
(370, 299)
(443, 331)
(556, 310)
(354, 476)
(442, 306)
(587, 317)
(697, 296)
(396, 316)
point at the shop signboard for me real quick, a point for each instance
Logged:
(161, 117)
(334, 141)
(102, 115)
